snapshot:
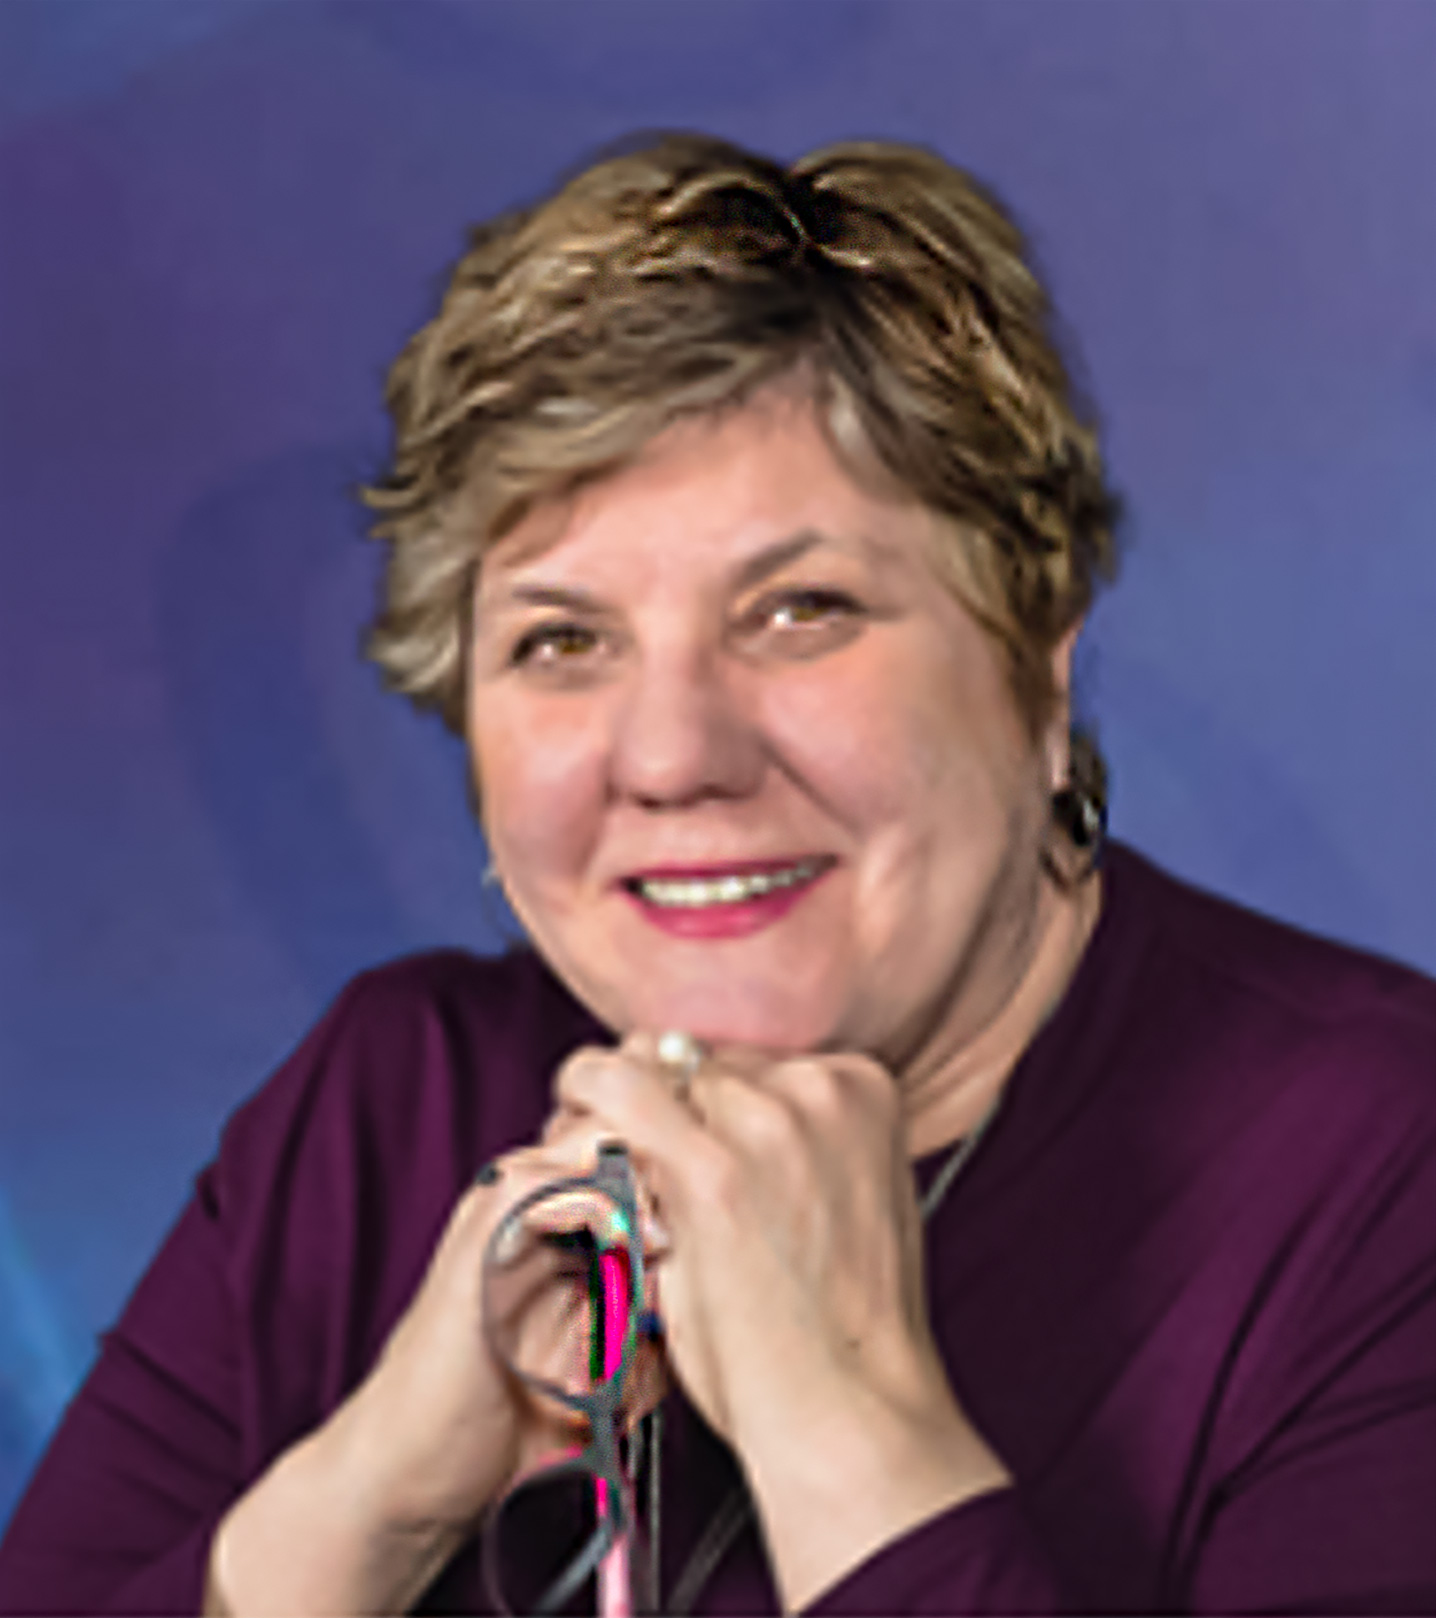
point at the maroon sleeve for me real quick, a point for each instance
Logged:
(175, 1419)
(1311, 1477)
(275, 1291)
(1333, 1508)
(1329, 1505)
(980, 1557)
(120, 1512)
(164, 1433)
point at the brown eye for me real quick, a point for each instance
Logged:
(800, 607)
(553, 643)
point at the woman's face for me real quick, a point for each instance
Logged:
(747, 768)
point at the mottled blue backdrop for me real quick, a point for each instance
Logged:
(219, 218)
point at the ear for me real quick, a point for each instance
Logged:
(1058, 737)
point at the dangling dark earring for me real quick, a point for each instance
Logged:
(1082, 817)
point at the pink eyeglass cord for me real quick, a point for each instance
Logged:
(615, 1589)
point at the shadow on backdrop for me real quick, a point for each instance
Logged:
(231, 596)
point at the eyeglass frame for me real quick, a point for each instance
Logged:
(599, 1458)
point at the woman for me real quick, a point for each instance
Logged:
(1028, 1233)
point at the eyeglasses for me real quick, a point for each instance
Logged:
(563, 1295)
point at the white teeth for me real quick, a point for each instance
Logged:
(725, 890)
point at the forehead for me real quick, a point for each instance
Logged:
(717, 491)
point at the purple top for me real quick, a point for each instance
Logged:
(1186, 1289)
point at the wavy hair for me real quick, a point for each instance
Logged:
(675, 275)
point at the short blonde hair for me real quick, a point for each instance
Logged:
(678, 276)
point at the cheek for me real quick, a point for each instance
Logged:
(894, 746)
(920, 755)
(851, 734)
(540, 782)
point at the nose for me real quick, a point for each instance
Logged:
(682, 732)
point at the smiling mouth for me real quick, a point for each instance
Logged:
(701, 893)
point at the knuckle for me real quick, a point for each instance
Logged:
(758, 1119)
(591, 1078)
(825, 1091)
(577, 1073)
(870, 1083)
(572, 1136)
(815, 1084)
(639, 1046)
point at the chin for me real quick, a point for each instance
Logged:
(764, 1021)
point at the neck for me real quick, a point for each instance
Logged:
(948, 1102)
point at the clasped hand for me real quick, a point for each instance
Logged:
(789, 1272)
(783, 1244)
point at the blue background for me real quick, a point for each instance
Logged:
(218, 221)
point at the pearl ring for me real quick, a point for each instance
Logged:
(682, 1055)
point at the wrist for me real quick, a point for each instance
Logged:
(864, 1473)
(316, 1536)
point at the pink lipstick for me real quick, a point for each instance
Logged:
(723, 901)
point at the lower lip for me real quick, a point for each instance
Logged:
(725, 920)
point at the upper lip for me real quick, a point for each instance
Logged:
(715, 871)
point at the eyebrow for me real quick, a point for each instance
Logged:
(773, 557)
(763, 563)
(551, 595)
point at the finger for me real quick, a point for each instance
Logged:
(570, 1151)
(831, 1087)
(738, 1115)
(612, 1086)
(560, 1121)
(574, 1136)
(634, 1102)
(673, 1056)
(757, 1118)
